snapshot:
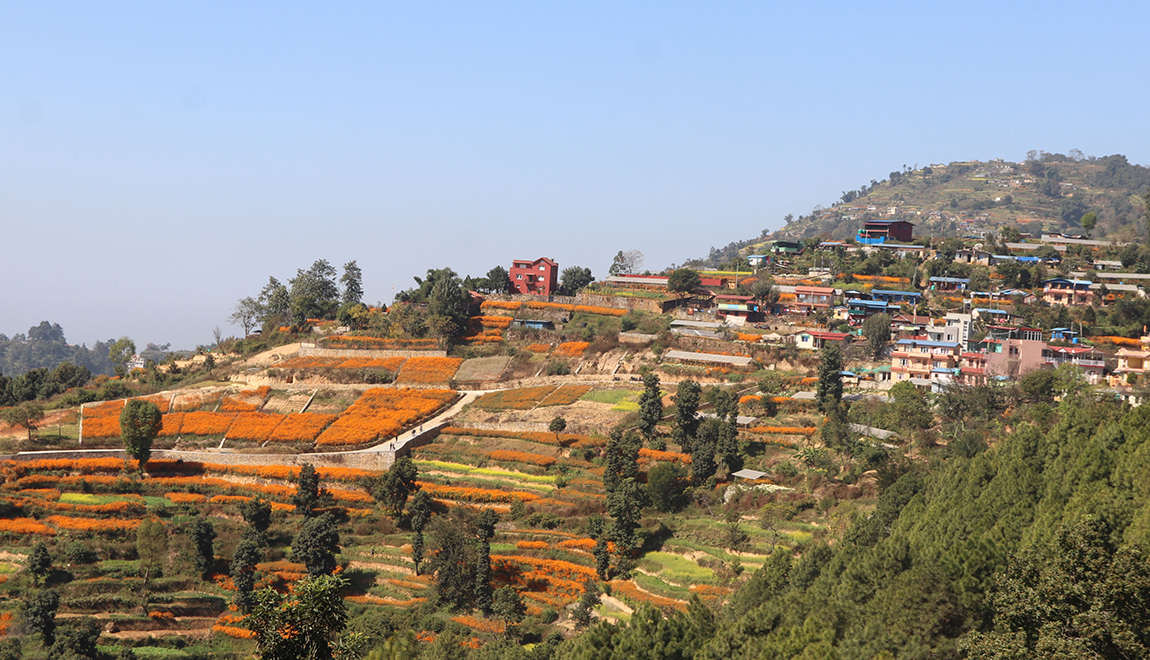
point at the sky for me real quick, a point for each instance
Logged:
(159, 161)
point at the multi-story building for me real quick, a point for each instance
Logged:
(1067, 292)
(1091, 362)
(813, 298)
(881, 231)
(1132, 363)
(539, 277)
(919, 357)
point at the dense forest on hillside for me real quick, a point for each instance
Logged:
(44, 347)
(1033, 548)
(1045, 192)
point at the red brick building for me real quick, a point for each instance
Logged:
(881, 231)
(539, 277)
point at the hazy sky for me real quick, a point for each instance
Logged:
(158, 161)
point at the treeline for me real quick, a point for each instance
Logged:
(44, 347)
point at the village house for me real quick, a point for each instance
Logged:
(1067, 292)
(919, 357)
(1086, 358)
(539, 277)
(813, 340)
(1132, 363)
(812, 298)
(949, 283)
(875, 232)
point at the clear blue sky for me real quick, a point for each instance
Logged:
(158, 161)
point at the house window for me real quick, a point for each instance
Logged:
(542, 267)
(903, 362)
(519, 276)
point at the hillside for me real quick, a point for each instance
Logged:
(1046, 192)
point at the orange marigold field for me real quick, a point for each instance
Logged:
(553, 568)
(542, 437)
(391, 364)
(565, 395)
(25, 526)
(232, 631)
(539, 348)
(254, 426)
(300, 427)
(571, 348)
(172, 424)
(101, 427)
(483, 625)
(523, 457)
(430, 370)
(382, 412)
(475, 494)
(185, 498)
(669, 456)
(532, 545)
(753, 338)
(230, 404)
(381, 343)
(749, 398)
(521, 398)
(92, 524)
(499, 304)
(784, 430)
(206, 423)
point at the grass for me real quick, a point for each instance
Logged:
(610, 396)
(89, 498)
(678, 568)
(661, 588)
(6, 568)
(460, 468)
(148, 652)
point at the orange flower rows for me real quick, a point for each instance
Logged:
(253, 426)
(429, 370)
(539, 348)
(630, 592)
(669, 456)
(532, 545)
(784, 430)
(381, 412)
(25, 526)
(522, 457)
(381, 343)
(542, 437)
(230, 404)
(206, 423)
(482, 625)
(300, 427)
(555, 568)
(475, 494)
(391, 364)
(749, 398)
(753, 338)
(232, 631)
(565, 395)
(499, 304)
(93, 525)
(522, 398)
(185, 498)
(571, 348)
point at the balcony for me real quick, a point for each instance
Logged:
(1080, 362)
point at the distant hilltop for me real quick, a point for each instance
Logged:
(1047, 192)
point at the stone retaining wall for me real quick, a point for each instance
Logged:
(315, 351)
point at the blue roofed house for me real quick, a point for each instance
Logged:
(913, 297)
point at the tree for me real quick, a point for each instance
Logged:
(140, 422)
(246, 314)
(683, 281)
(352, 281)
(508, 605)
(485, 528)
(302, 624)
(622, 460)
(257, 514)
(830, 384)
(274, 301)
(666, 483)
(876, 329)
(573, 279)
(243, 571)
(597, 530)
(625, 505)
(77, 640)
(1089, 222)
(316, 545)
(626, 262)
(703, 451)
(686, 405)
(727, 444)
(39, 563)
(28, 414)
(151, 546)
(452, 560)
(308, 495)
(394, 486)
(202, 535)
(40, 615)
(313, 293)
(420, 511)
(557, 426)
(497, 280)
(587, 602)
(120, 352)
(650, 406)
